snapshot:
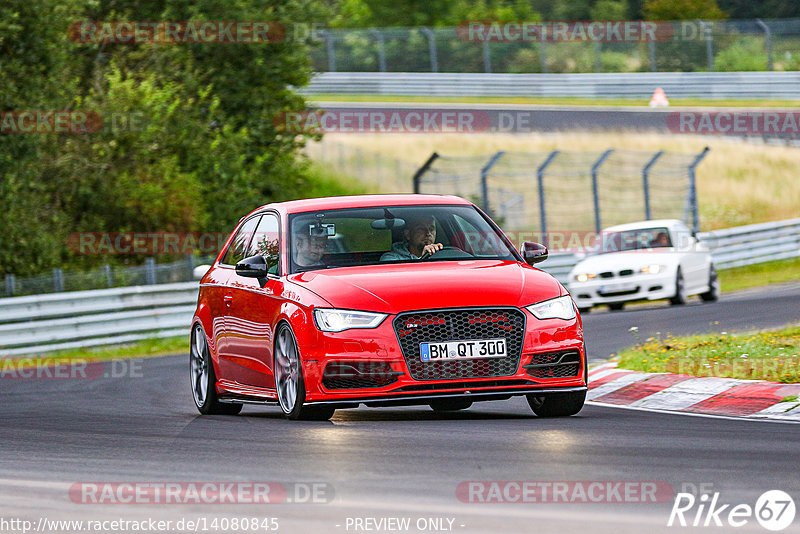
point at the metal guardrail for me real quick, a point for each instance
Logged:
(44, 323)
(638, 85)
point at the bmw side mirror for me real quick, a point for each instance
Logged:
(533, 252)
(252, 267)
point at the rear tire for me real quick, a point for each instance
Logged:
(712, 295)
(584, 311)
(616, 306)
(289, 380)
(204, 379)
(680, 290)
(449, 405)
(557, 404)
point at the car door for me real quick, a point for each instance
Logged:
(254, 309)
(236, 251)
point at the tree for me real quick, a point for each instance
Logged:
(682, 10)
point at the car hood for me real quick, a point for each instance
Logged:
(615, 261)
(449, 284)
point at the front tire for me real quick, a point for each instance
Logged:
(289, 380)
(616, 306)
(557, 404)
(712, 295)
(204, 379)
(680, 290)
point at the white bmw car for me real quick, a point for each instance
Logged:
(649, 260)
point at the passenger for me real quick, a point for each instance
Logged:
(419, 236)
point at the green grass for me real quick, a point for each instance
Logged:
(324, 183)
(556, 101)
(772, 355)
(760, 274)
(138, 349)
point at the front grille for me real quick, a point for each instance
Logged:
(626, 272)
(607, 274)
(472, 386)
(439, 326)
(554, 364)
(357, 375)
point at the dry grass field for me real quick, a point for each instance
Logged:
(739, 182)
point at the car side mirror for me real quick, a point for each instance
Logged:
(533, 252)
(252, 267)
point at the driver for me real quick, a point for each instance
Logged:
(309, 249)
(419, 236)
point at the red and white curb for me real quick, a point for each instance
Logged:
(686, 393)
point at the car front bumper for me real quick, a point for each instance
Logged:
(629, 288)
(550, 348)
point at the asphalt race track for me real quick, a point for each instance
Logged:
(394, 462)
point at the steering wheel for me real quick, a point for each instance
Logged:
(447, 252)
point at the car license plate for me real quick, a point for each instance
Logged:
(451, 350)
(614, 288)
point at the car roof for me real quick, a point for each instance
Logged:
(362, 201)
(669, 223)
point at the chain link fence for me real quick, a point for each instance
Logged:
(685, 46)
(569, 190)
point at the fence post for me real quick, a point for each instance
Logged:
(381, 50)
(595, 191)
(709, 45)
(190, 266)
(693, 189)
(149, 271)
(331, 51)
(543, 56)
(646, 183)
(487, 57)
(11, 285)
(58, 280)
(651, 45)
(106, 269)
(540, 183)
(431, 48)
(417, 179)
(484, 181)
(597, 53)
(767, 43)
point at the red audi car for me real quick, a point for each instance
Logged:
(383, 300)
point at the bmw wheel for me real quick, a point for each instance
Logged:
(289, 380)
(680, 290)
(203, 378)
(712, 295)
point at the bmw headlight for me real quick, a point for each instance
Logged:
(652, 269)
(584, 277)
(332, 320)
(557, 308)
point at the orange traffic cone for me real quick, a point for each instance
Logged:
(659, 98)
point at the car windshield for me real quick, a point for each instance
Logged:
(638, 239)
(326, 239)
